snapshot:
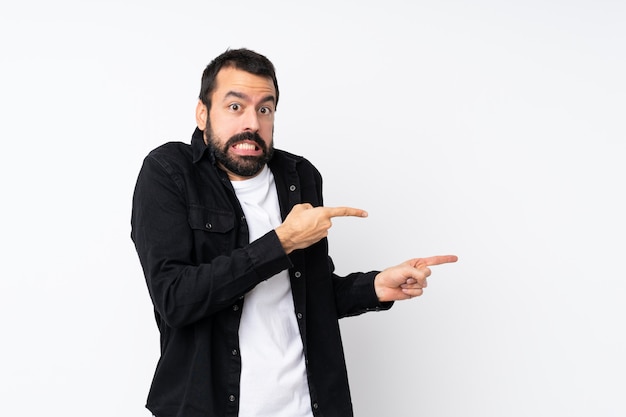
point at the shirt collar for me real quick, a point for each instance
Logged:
(199, 148)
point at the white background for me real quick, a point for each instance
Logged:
(494, 130)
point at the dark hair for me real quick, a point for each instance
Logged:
(243, 59)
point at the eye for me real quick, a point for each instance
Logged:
(265, 110)
(234, 107)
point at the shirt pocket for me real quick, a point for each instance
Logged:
(214, 231)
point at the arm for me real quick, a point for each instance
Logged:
(355, 294)
(306, 225)
(182, 287)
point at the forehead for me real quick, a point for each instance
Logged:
(231, 79)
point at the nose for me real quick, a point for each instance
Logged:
(251, 120)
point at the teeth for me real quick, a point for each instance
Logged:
(246, 146)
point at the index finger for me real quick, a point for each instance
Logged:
(436, 260)
(344, 212)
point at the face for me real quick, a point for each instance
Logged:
(240, 124)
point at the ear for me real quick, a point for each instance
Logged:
(202, 115)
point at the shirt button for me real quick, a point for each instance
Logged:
(299, 315)
(235, 307)
(297, 274)
(315, 406)
(292, 188)
(234, 352)
(208, 225)
(231, 398)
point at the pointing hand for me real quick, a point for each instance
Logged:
(408, 279)
(306, 225)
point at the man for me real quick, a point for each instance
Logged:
(231, 235)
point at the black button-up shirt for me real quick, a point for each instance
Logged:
(192, 240)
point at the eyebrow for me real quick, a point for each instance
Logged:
(243, 96)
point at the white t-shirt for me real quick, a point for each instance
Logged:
(273, 373)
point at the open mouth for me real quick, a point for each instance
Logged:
(246, 148)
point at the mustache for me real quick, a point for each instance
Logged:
(252, 136)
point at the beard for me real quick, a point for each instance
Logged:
(243, 166)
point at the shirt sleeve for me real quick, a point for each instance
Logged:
(183, 289)
(355, 294)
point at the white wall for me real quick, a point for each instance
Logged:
(491, 130)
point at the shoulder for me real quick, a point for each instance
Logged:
(287, 160)
(171, 155)
(171, 150)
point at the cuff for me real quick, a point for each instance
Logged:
(268, 256)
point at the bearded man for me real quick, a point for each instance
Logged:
(232, 238)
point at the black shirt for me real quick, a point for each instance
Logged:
(192, 240)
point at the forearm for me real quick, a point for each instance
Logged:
(193, 271)
(183, 292)
(355, 294)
